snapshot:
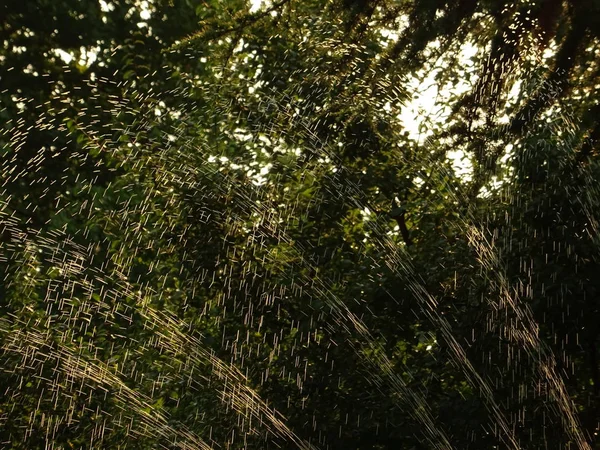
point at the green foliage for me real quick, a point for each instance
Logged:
(202, 240)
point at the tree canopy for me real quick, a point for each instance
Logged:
(343, 224)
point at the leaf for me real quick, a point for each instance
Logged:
(398, 211)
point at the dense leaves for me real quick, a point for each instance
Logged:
(231, 225)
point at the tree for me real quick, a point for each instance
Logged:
(205, 252)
